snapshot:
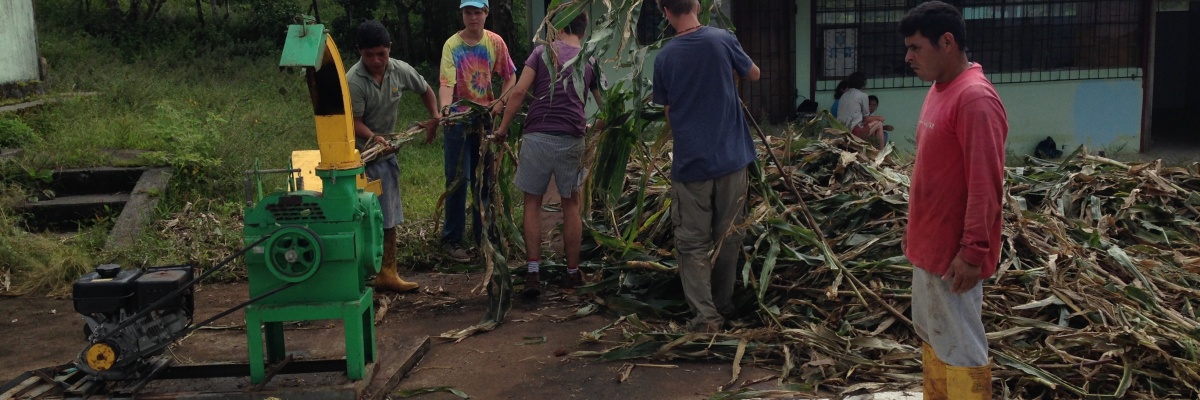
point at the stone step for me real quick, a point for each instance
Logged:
(67, 213)
(132, 207)
(83, 181)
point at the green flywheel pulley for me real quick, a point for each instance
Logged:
(293, 254)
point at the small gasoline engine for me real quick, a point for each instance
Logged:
(131, 316)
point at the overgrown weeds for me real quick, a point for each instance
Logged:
(14, 133)
(37, 263)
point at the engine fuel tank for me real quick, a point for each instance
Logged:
(105, 290)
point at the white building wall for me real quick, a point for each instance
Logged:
(18, 42)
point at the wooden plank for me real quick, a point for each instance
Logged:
(394, 365)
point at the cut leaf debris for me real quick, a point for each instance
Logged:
(1094, 296)
(404, 394)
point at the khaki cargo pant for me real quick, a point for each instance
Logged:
(702, 213)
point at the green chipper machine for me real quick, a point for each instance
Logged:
(316, 250)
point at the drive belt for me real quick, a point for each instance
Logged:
(175, 294)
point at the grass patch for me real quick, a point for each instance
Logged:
(422, 179)
(210, 119)
(32, 263)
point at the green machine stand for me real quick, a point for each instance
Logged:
(326, 244)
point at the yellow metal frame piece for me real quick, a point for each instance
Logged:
(335, 133)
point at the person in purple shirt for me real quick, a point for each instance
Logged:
(552, 143)
(695, 77)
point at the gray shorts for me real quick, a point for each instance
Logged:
(387, 171)
(543, 156)
(951, 323)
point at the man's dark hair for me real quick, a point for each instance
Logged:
(372, 34)
(873, 98)
(933, 19)
(578, 25)
(678, 7)
(856, 81)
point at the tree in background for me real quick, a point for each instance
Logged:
(419, 28)
(137, 11)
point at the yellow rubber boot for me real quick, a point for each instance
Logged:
(969, 383)
(388, 279)
(934, 372)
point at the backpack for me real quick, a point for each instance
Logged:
(1047, 149)
(805, 111)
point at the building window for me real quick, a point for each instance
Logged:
(650, 23)
(1015, 40)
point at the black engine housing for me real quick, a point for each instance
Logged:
(109, 296)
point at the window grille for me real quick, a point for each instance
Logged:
(650, 23)
(1015, 40)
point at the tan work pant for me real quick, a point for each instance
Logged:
(703, 213)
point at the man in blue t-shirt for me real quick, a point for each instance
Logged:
(693, 81)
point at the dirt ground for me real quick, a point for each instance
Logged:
(503, 364)
(42, 332)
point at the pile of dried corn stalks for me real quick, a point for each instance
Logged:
(1094, 295)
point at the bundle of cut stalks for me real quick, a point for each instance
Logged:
(1095, 295)
(373, 149)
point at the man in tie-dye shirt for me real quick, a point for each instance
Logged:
(470, 59)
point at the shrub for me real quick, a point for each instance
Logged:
(190, 138)
(14, 133)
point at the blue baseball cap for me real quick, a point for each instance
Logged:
(473, 3)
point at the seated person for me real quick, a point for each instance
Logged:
(887, 129)
(854, 112)
(837, 96)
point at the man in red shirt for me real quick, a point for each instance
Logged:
(953, 235)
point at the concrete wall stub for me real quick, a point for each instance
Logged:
(18, 42)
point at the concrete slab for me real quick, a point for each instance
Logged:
(139, 210)
(71, 201)
(47, 100)
(126, 157)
